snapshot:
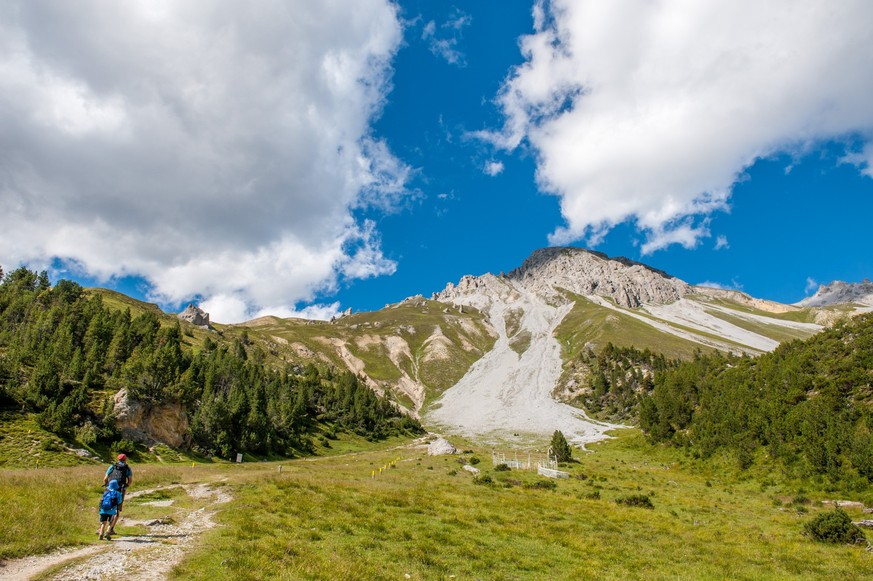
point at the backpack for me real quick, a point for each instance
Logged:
(119, 473)
(109, 501)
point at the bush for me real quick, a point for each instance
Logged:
(87, 433)
(126, 447)
(501, 468)
(542, 485)
(474, 460)
(640, 500)
(834, 527)
(483, 479)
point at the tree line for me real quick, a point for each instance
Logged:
(808, 405)
(64, 354)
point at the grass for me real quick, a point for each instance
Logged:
(425, 517)
(775, 332)
(591, 323)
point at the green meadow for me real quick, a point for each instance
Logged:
(390, 511)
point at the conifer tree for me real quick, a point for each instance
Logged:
(560, 447)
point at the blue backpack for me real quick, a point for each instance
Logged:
(109, 500)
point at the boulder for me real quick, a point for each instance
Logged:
(441, 447)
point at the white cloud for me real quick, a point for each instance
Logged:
(811, 286)
(734, 285)
(651, 111)
(494, 168)
(721, 242)
(320, 312)
(444, 40)
(862, 159)
(214, 148)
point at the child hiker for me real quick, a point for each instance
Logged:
(108, 509)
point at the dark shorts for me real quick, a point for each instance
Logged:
(106, 517)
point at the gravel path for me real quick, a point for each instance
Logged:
(148, 556)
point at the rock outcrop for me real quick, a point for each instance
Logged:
(196, 316)
(839, 292)
(550, 270)
(140, 422)
(630, 284)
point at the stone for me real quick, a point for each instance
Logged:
(140, 422)
(441, 447)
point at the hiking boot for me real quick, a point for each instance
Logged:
(101, 536)
(108, 537)
(111, 531)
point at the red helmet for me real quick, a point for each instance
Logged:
(122, 457)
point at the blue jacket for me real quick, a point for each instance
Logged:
(111, 494)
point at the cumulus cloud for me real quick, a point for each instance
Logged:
(811, 285)
(721, 242)
(650, 111)
(216, 149)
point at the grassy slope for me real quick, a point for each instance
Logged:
(413, 321)
(591, 323)
(282, 339)
(327, 518)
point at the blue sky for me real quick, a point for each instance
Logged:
(303, 158)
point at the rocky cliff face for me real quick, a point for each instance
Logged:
(167, 423)
(549, 270)
(628, 283)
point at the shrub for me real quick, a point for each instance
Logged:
(593, 495)
(833, 527)
(542, 485)
(127, 447)
(501, 468)
(640, 500)
(483, 479)
(474, 460)
(87, 433)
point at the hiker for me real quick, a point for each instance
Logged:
(119, 472)
(109, 506)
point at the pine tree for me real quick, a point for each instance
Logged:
(560, 447)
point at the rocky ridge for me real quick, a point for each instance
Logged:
(549, 271)
(839, 292)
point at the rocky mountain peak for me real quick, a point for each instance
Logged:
(839, 292)
(195, 315)
(628, 283)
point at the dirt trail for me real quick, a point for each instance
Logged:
(147, 556)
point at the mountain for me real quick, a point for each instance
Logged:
(498, 357)
(493, 357)
(563, 301)
(838, 292)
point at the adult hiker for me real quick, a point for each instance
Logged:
(119, 472)
(109, 510)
